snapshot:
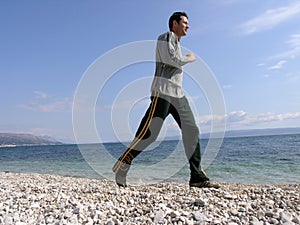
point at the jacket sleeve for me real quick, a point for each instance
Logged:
(175, 51)
(171, 52)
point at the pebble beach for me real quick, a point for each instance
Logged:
(52, 199)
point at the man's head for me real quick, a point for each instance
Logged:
(178, 23)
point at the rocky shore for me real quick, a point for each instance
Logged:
(49, 199)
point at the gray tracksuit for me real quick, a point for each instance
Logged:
(167, 98)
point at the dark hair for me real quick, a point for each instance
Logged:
(177, 17)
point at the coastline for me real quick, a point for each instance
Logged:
(52, 199)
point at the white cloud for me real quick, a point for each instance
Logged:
(124, 105)
(278, 65)
(295, 40)
(41, 102)
(294, 48)
(269, 19)
(225, 2)
(260, 64)
(227, 86)
(40, 95)
(240, 119)
(292, 52)
(267, 75)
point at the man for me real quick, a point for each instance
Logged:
(168, 98)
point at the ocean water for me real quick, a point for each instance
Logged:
(257, 160)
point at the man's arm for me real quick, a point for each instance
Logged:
(175, 52)
(169, 52)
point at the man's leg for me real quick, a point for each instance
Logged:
(147, 133)
(184, 117)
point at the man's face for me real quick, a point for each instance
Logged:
(180, 29)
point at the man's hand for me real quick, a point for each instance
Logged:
(191, 57)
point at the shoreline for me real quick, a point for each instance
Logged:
(53, 199)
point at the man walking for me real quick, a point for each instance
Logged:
(167, 97)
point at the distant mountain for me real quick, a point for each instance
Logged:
(262, 132)
(248, 133)
(15, 139)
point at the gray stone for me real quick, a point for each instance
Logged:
(68, 214)
(260, 215)
(20, 223)
(229, 196)
(288, 223)
(241, 209)
(216, 221)
(270, 202)
(296, 219)
(49, 219)
(110, 222)
(76, 211)
(159, 217)
(255, 221)
(174, 214)
(234, 212)
(131, 201)
(274, 221)
(201, 218)
(286, 217)
(198, 202)
(185, 213)
(188, 222)
(8, 220)
(269, 213)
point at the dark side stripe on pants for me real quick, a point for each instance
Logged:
(127, 157)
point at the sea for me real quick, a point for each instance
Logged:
(271, 159)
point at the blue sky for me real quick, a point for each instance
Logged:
(252, 47)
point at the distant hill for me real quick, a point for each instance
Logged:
(262, 132)
(15, 139)
(248, 133)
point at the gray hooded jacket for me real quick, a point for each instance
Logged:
(169, 61)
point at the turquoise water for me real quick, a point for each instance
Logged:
(263, 159)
